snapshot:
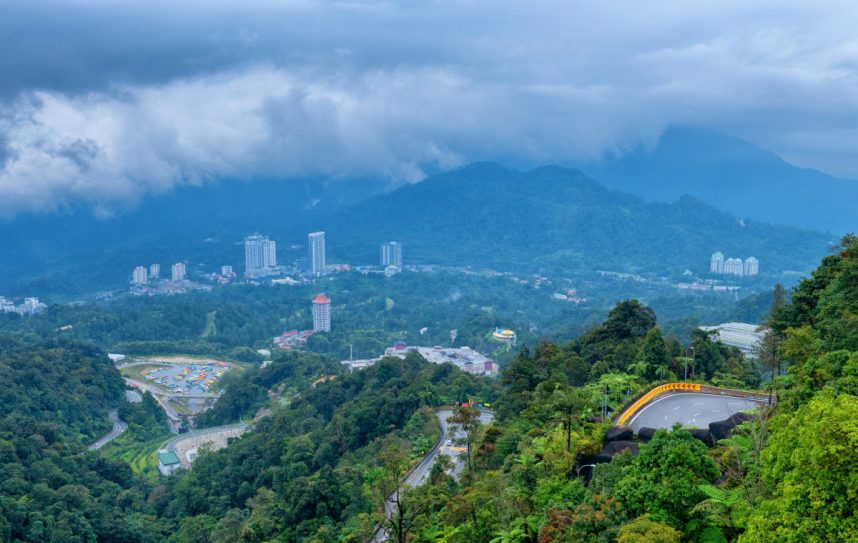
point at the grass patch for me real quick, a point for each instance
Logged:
(210, 328)
(142, 456)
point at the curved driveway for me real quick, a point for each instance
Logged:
(690, 409)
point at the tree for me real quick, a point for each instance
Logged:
(570, 404)
(810, 470)
(663, 480)
(467, 419)
(400, 503)
(645, 530)
(653, 353)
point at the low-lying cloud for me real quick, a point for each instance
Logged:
(396, 91)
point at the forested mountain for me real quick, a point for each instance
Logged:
(557, 220)
(314, 470)
(54, 400)
(735, 176)
(551, 220)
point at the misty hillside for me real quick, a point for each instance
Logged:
(553, 219)
(549, 219)
(736, 176)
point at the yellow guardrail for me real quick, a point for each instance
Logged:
(646, 398)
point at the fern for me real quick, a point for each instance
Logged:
(712, 534)
(720, 496)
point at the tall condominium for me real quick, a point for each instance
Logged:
(321, 313)
(391, 254)
(734, 266)
(178, 271)
(154, 271)
(317, 253)
(260, 256)
(752, 266)
(716, 263)
(139, 277)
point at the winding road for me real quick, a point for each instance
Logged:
(119, 426)
(420, 473)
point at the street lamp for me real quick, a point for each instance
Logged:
(578, 469)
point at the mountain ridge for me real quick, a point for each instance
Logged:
(733, 175)
(549, 219)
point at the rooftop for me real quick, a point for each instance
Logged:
(168, 458)
(321, 299)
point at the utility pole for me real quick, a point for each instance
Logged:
(686, 361)
(351, 353)
(605, 403)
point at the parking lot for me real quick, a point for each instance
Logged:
(199, 377)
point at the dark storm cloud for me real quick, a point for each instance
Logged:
(107, 101)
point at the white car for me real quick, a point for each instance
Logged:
(449, 442)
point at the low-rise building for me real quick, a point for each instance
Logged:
(463, 358)
(168, 462)
(505, 335)
(745, 337)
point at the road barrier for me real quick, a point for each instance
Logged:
(630, 411)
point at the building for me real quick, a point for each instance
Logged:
(464, 358)
(139, 276)
(260, 256)
(734, 266)
(154, 271)
(317, 253)
(31, 306)
(226, 271)
(321, 313)
(716, 263)
(292, 339)
(178, 271)
(168, 462)
(505, 335)
(752, 266)
(391, 254)
(745, 337)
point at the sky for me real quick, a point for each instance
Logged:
(103, 103)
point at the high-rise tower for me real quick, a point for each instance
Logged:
(321, 313)
(391, 254)
(317, 253)
(260, 256)
(716, 263)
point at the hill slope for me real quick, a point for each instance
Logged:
(549, 219)
(736, 176)
(553, 219)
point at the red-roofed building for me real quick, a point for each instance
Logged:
(321, 313)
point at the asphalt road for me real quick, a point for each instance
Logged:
(690, 409)
(119, 426)
(456, 452)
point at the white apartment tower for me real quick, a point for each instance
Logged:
(260, 256)
(154, 271)
(139, 276)
(317, 253)
(391, 254)
(321, 313)
(734, 266)
(716, 263)
(752, 266)
(178, 271)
